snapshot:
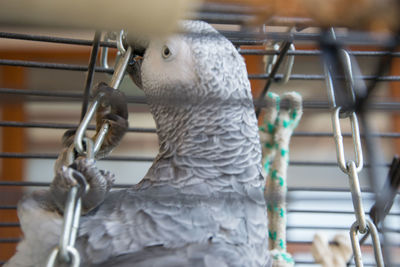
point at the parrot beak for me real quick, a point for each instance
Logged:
(139, 51)
(134, 70)
(139, 45)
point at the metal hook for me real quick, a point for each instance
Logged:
(104, 51)
(288, 66)
(284, 49)
(120, 42)
(340, 66)
(270, 60)
(120, 46)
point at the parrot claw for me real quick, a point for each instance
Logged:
(113, 111)
(100, 183)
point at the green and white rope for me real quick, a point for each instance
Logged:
(276, 131)
(267, 130)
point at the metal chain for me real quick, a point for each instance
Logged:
(352, 167)
(66, 251)
(119, 72)
(84, 146)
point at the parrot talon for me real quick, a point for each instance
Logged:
(113, 110)
(99, 182)
(62, 183)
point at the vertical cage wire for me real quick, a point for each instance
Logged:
(308, 74)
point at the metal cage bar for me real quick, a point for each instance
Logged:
(214, 14)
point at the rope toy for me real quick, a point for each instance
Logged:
(275, 133)
(331, 254)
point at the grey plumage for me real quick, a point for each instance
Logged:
(201, 202)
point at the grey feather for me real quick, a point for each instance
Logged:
(201, 202)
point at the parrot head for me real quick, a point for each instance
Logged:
(190, 68)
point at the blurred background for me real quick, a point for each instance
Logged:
(42, 77)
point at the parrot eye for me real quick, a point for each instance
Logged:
(166, 52)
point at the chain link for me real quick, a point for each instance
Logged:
(375, 244)
(352, 167)
(84, 146)
(116, 80)
(83, 126)
(65, 251)
(337, 135)
(356, 197)
(100, 138)
(73, 253)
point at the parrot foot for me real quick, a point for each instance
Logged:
(113, 111)
(100, 183)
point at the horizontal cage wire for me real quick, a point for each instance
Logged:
(49, 98)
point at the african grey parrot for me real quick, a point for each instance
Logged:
(201, 203)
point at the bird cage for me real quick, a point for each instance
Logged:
(45, 77)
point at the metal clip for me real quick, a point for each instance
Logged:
(270, 61)
(108, 36)
(339, 140)
(120, 68)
